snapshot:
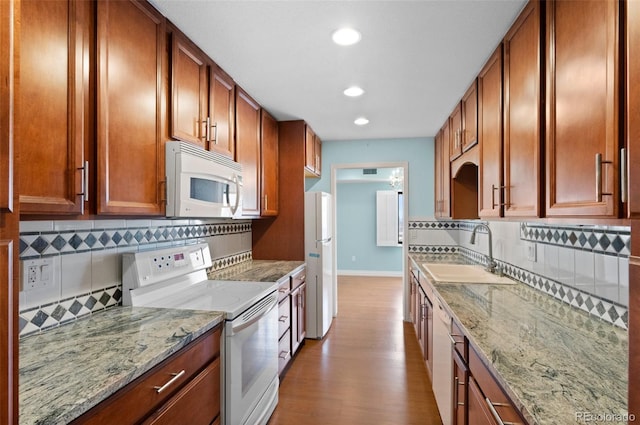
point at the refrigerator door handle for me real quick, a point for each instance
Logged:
(323, 240)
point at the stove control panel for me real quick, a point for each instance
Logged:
(150, 267)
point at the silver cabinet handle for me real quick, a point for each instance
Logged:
(452, 338)
(494, 412)
(623, 175)
(215, 132)
(599, 163)
(176, 376)
(283, 319)
(84, 184)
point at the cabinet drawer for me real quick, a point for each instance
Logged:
(198, 403)
(134, 402)
(491, 390)
(299, 278)
(284, 316)
(284, 350)
(284, 288)
(459, 341)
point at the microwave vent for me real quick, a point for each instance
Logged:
(369, 171)
(182, 147)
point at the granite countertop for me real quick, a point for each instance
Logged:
(67, 370)
(557, 363)
(258, 270)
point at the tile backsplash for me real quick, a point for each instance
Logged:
(87, 260)
(584, 266)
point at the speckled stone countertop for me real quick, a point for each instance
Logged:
(557, 363)
(67, 370)
(258, 270)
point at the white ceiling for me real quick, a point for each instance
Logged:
(415, 61)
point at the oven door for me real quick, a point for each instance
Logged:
(251, 364)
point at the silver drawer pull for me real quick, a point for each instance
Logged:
(453, 341)
(495, 414)
(283, 319)
(176, 376)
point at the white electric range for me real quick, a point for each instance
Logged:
(176, 278)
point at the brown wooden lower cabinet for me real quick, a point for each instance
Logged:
(185, 386)
(198, 403)
(460, 385)
(495, 402)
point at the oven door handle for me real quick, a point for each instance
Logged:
(267, 309)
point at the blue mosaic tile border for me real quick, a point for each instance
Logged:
(51, 243)
(433, 225)
(433, 249)
(603, 309)
(614, 240)
(232, 260)
(54, 314)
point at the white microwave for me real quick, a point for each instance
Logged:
(201, 183)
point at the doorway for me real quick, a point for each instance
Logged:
(357, 189)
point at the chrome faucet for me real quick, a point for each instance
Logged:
(491, 264)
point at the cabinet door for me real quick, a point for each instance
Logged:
(460, 384)
(269, 165)
(522, 114)
(455, 126)
(490, 136)
(9, 222)
(222, 105)
(317, 150)
(189, 91)
(131, 106)
(582, 108)
(310, 151)
(633, 109)
(52, 107)
(470, 118)
(445, 207)
(427, 332)
(248, 150)
(302, 313)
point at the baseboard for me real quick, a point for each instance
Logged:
(374, 273)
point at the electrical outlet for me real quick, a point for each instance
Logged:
(353, 258)
(39, 273)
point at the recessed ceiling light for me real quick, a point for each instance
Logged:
(361, 121)
(346, 36)
(353, 91)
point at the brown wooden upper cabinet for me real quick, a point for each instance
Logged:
(630, 183)
(131, 105)
(313, 153)
(582, 146)
(248, 151)
(443, 174)
(269, 165)
(490, 136)
(523, 126)
(455, 127)
(202, 98)
(52, 111)
(189, 91)
(469, 109)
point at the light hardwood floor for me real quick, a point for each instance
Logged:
(367, 370)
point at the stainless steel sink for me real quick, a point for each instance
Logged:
(464, 273)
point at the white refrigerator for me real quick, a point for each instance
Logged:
(318, 251)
